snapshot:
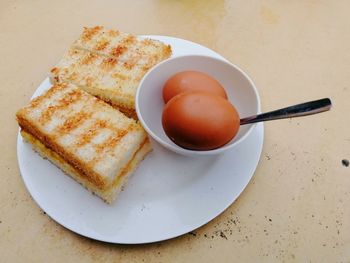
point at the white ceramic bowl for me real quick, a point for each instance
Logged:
(240, 89)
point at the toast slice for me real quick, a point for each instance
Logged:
(109, 64)
(92, 142)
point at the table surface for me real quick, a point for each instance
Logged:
(295, 209)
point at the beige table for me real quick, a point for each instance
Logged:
(296, 208)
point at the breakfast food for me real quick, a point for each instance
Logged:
(197, 114)
(88, 139)
(109, 64)
(191, 81)
(200, 120)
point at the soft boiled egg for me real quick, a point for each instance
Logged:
(200, 120)
(186, 81)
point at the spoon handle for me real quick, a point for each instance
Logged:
(303, 109)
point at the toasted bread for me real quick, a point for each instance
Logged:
(109, 64)
(88, 139)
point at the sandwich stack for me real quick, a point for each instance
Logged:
(86, 122)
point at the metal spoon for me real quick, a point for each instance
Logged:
(303, 109)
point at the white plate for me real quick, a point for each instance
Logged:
(168, 195)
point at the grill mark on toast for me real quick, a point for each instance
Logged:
(89, 33)
(108, 64)
(149, 42)
(101, 44)
(91, 132)
(69, 98)
(118, 50)
(111, 142)
(88, 59)
(113, 33)
(47, 95)
(72, 123)
(129, 64)
(130, 39)
(123, 46)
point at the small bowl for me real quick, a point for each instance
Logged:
(240, 90)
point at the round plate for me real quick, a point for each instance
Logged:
(168, 195)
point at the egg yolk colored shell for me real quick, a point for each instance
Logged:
(186, 81)
(200, 121)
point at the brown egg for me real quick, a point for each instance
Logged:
(191, 81)
(200, 121)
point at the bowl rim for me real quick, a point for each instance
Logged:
(175, 147)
